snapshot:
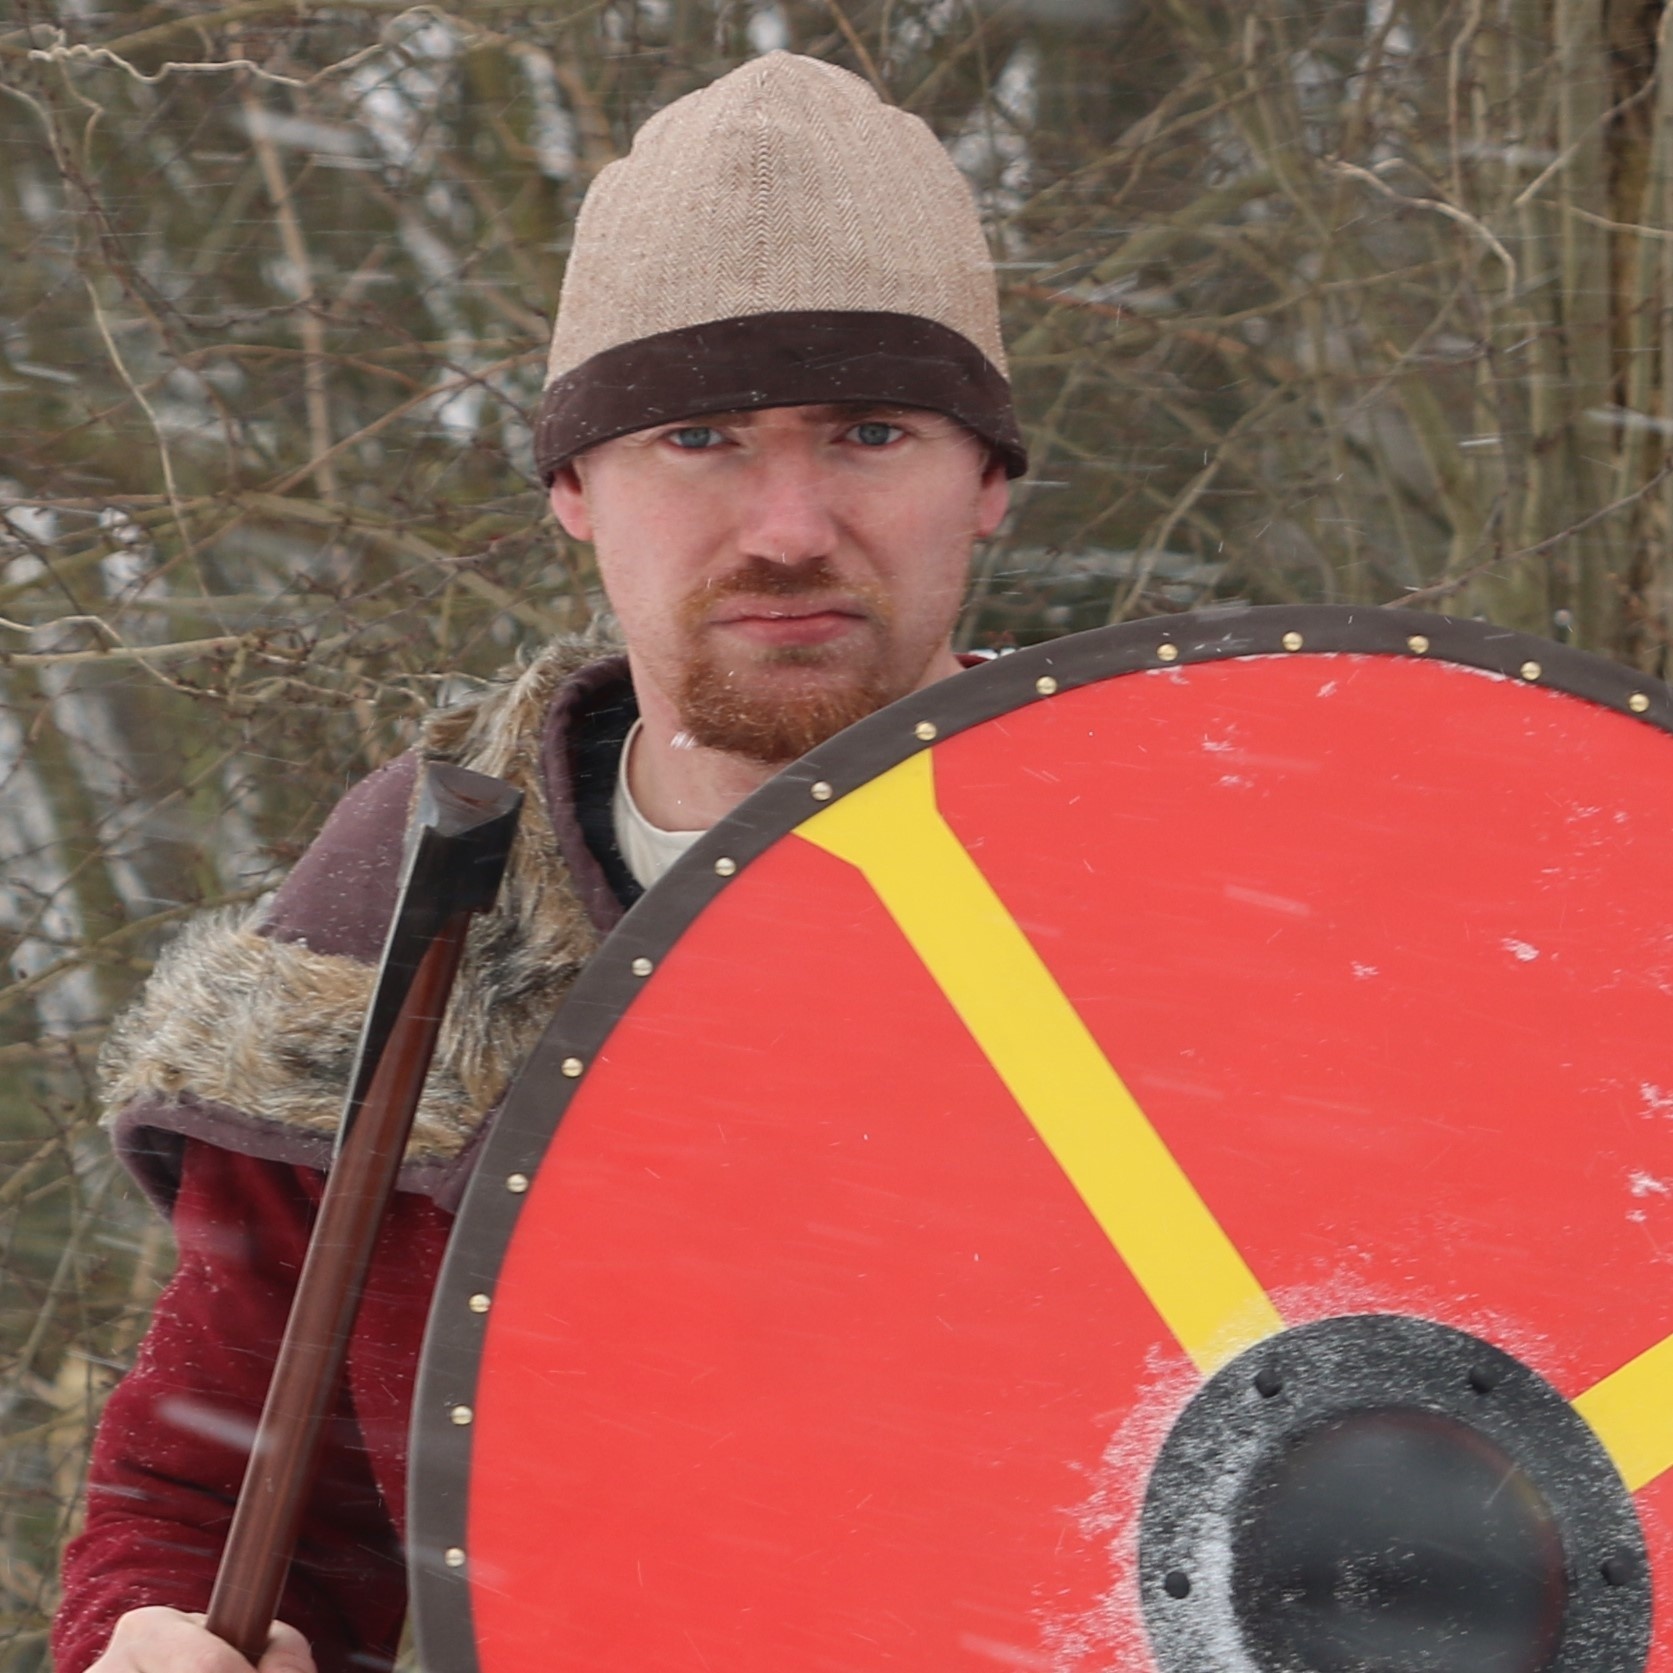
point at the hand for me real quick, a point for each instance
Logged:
(157, 1640)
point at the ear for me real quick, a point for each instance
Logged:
(993, 497)
(569, 503)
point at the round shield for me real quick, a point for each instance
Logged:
(1153, 1154)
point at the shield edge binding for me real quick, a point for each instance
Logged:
(521, 1131)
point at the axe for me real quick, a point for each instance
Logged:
(457, 847)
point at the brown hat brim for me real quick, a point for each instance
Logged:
(802, 358)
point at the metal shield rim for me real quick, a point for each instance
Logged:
(522, 1129)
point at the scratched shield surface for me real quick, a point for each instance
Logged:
(910, 1160)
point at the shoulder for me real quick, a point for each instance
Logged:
(340, 895)
(245, 1033)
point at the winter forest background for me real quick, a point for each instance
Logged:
(1368, 301)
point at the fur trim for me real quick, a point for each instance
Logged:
(232, 1017)
(235, 1018)
(524, 956)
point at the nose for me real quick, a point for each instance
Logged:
(789, 512)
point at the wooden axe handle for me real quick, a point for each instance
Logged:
(457, 850)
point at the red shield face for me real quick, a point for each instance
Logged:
(1076, 1054)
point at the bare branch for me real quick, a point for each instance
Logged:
(1457, 583)
(1438, 206)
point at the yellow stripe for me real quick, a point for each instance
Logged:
(893, 832)
(1631, 1411)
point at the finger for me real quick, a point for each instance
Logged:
(159, 1640)
(287, 1652)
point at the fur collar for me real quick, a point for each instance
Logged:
(250, 1040)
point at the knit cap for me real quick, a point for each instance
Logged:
(780, 237)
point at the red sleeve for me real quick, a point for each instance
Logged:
(171, 1447)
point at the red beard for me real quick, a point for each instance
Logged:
(718, 708)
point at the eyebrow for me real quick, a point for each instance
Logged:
(821, 413)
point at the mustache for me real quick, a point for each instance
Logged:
(762, 578)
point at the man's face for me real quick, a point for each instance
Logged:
(781, 574)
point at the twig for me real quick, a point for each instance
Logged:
(198, 23)
(469, 380)
(80, 1231)
(98, 623)
(138, 394)
(46, 1047)
(13, 1187)
(1438, 206)
(284, 509)
(82, 53)
(1145, 563)
(1445, 589)
(106, 944)
(118, 652)
(852, 36)
(1661, 234)
(309, 326)
(1567, 155)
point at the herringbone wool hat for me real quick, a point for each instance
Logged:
(779, 237)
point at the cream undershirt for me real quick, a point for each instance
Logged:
(649, 851)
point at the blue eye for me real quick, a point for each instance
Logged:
(694, 437)
(875, 433)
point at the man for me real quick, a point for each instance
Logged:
(777, 408)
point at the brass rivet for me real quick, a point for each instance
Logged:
(461, 1415)
(479, 1303)
(925, 729)
(725, 867)
(1418, 642)
(454, 1556)
(1530, 670)
(1292, 641)
(820, 792)
(1638, 702)
(517, 1183)
(642, 967)
(1167, 653)
(1045, 685)
(572, 1066)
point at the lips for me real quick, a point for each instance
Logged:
(781, 624)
